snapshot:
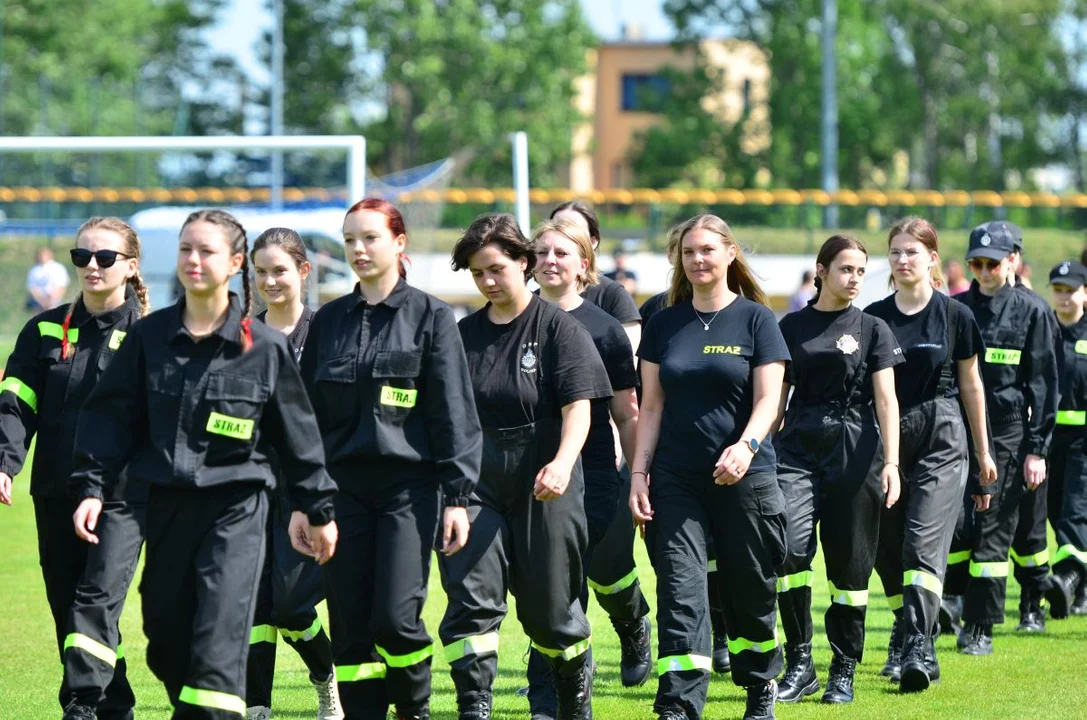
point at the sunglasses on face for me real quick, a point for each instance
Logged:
(980, 264)
(81, 257)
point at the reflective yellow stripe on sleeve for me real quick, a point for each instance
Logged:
(212, 699)
(91, 647)
(472, 645)
(681, 663)
(21, 390)
(616, 587)
(56, 330)
(1072, 417)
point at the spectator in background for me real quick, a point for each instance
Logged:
(625, 277)
(1025, 271)
(956, 278)
(46, 283)
(804, 293)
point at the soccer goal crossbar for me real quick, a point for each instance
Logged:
(354, 145)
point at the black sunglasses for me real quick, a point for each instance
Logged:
(81, 257)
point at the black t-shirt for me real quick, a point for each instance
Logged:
(613, 298)
(614, 347)
(296, 339)
(923, 339)
(652, 306)
(530, 368)
(706, 379)
(827, 349)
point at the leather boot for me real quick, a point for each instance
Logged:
(1061, 592)
(634, 642)
(893, 668)
(474, 706)
(574, 685)
(840, 680)
(760, 701)
(950, 615)
(980, 641)
(799, 680)
(1031, 619)
(915, 671)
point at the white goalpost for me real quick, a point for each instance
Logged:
(354, 145)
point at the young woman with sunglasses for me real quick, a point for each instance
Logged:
(57, 361)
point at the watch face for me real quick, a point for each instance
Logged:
(753, 444)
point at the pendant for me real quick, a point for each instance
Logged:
(705, 326)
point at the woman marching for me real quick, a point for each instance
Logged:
(535, 372)
(564, 265)
(1021, 391)
(290, 585)
(712, 368)
(191, 405)
(386, 370)
(831, 466)
(941, 343)
(1067, 499)
(58, 359)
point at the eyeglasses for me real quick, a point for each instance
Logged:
(979, 264)
(81, 257)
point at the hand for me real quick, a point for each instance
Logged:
(455, 528)
(639, 501)
(732, 466)
(987, 469)
(298, 530)
(1034, 471)
(892, 484)
(315, 541)
(5, 489)
(86, 519)
(981, 502)
(551, 481)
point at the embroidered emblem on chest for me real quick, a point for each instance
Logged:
(528, 357)
(848, 344)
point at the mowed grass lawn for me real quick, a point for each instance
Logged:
(1030, 676)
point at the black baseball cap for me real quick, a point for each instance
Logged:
(992, 240)
(1068, 273)
(1015, 230)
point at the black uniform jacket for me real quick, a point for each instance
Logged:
(188, 414)
(1072, 414)
(1019, 368)
(393, 396)
(41, 393)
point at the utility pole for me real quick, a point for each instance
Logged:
(277, 104)
(829, 115)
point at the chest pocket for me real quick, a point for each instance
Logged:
(231, 414)
(57, 374)
(334, 400)
(396, 382)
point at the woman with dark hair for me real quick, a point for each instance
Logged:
(712, 366)
(535, 372)
(290, 585)
(941, 343)
(1019, 370)
(832, 466)
(386, 370)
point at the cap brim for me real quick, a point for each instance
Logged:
(1067, 282)
(987, 252)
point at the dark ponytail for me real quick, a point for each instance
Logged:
(239, 243)
(834, 246)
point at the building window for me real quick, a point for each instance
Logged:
(645, 93)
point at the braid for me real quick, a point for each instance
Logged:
(65, 346)
(247, 309)
(239, 243)
(138, 287)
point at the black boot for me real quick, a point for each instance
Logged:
(634, 641)
(474, 706)
(75, 711)
(893, 667)
(1062, 591)
(950, 616)
(722, 663)
(799, 680)
(964, 637)
(931, 661)
(840, 680)
(1031, 619)
(760, 701)
(915, 669)
(574, 685)
(1079, 607)
(671, 713)
(422, 713)
(980, 641)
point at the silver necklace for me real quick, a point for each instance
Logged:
(705, 324)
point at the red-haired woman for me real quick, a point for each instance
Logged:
(941, 343)
(386, 370)
(712, 369)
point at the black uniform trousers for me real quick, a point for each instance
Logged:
(612, 573)
(747, 524)
(291, 586)
(205, 550)
(519, 544)
(1015, 521)
(95, 670)
(376, 586)
(829, 464)
(915, 533)
(1067, 500)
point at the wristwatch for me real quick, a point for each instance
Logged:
(752, 445)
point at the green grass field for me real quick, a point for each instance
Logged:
(1028, 676)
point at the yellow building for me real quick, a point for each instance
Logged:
(612, 97)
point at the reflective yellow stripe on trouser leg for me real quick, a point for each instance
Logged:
(472, 645)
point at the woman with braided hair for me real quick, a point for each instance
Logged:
(191, 406)
(58, 359)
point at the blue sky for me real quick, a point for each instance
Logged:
(238, 34)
